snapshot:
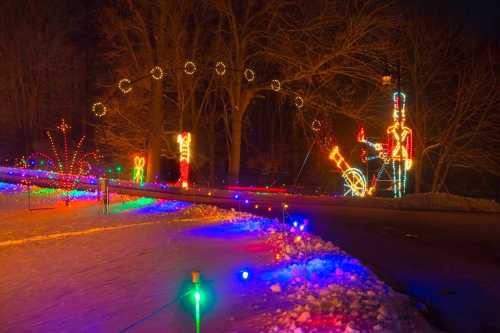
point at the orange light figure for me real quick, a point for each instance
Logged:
(354, 180)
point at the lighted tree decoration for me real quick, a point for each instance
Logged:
(69, 160)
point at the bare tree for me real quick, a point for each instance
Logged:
(453, 94)
(40, 68)
(137, 38)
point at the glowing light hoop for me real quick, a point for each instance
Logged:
(316, 125)
(299, 102)
(157, 73)
(99, 109)
(249, 75)
(275, 85)
(125, 85)
(220, 68)
(189, 68)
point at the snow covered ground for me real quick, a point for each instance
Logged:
(75, 269)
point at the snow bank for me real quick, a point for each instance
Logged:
(317, 287)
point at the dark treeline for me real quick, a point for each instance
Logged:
(57, 60)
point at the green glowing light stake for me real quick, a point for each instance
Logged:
(197, 298)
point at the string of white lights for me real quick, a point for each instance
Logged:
(125, 85)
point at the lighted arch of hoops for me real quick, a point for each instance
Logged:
(126, 85)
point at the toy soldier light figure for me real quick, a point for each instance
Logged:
(399, 145)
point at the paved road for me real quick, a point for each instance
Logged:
(448, 261)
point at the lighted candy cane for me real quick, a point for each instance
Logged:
(184, 141)
(138, 172)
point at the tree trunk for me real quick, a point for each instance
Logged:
(154, 142)
(234, 162)
(211, 147)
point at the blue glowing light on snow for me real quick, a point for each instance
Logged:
(230, 230)
(323, 270)
(163, 207)
(244, 274)
(6, 187)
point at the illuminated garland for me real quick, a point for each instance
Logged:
(125, 85)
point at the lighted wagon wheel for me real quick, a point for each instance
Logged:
(354, 183)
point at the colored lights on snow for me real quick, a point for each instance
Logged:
(244, 274)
